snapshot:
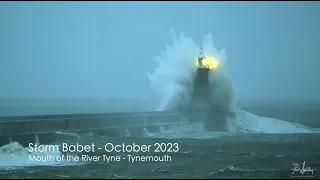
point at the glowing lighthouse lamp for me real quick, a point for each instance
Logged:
(206, 62)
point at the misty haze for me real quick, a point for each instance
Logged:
(104, 50)
(215, 77)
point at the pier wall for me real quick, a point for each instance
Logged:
(24, 128)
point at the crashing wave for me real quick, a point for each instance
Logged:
(173, 82)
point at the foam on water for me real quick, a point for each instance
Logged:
(127, 133)
(146, 133)
(253, 123)
(13, 155)
(172, 80)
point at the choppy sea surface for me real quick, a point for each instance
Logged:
(232, 156)
(260, 154)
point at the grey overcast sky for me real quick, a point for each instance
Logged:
(105, 49)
